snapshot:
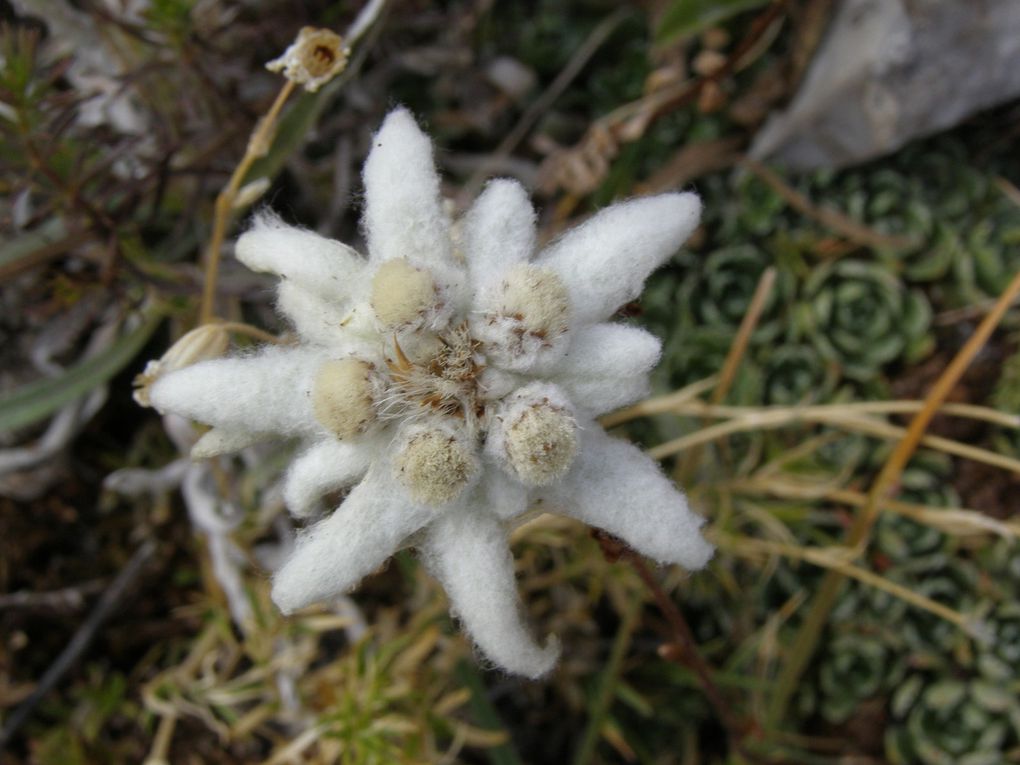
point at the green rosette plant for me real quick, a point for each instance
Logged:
(954, 584)
(795, 374)
(867, 607)
(855, 668)
(999, 660)
(721, 292)
(861, 316)
(694, 354)
(905, 541)
(950, 722)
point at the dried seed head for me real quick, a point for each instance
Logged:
(313, 59)
(435, 463)
(209, 341)
(343, 396)
(404, 296)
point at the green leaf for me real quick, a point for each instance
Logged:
(23, 248)
(35, 401)
(688, 17)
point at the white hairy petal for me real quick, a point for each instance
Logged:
(468, 553)
(604, 262)
(404, 216)
(322, 468)
(218, 441)
(315, 319)
(607, 366)
(323, 266)
(499, 231)
(335, 554)
(499, 494)
(266, 393)
(615, 486)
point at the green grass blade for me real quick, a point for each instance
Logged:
(485, 715)
(37, 400)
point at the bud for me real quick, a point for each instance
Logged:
(313, 59)
(206, 342)
(536, 435)
(526, 314)
(435, 463)
(404, 296)
(343, 396)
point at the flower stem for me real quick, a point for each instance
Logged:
(684, 648)
(258, 146)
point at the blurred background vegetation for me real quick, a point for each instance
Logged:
(119, 124)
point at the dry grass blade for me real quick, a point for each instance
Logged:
(658, 404)
(733, 358)
(767, 419)
(837, 559)
(804, 645)
(956, 521)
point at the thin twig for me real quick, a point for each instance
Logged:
(66, 599)
(743, 337)
(684, 648)
(82, 639)
(837, 221)
(806, 640)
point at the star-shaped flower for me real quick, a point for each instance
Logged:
(450, 381)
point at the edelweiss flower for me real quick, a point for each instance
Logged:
(453, 382)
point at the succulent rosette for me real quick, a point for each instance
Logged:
(449, 381)
(862, 317)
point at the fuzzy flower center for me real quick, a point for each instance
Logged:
(439, 375)
(451, 389)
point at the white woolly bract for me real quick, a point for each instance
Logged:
(322, 266)
(218, 441)
(607, 366)
(614, 486)
(334, 555)
(325, 467)
(604, 262)
(265, 393)
(499, 231)
(404, 217)
(468, 553)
